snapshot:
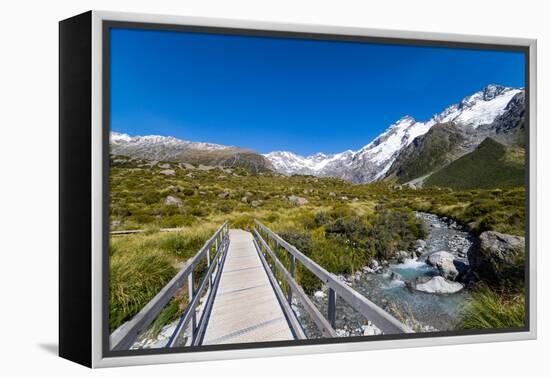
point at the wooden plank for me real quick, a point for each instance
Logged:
(245, 307)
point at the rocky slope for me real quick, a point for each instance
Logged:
(161, 148)
(446, 142)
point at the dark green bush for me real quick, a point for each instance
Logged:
(301, 240)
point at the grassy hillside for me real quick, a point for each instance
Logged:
(490, 165)
(427, 154)
(230, 157)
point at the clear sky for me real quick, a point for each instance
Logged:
(270, 94)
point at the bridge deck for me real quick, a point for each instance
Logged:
(245, 308)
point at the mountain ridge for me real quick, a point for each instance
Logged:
(406, 150)
(373, 161)
(167, 148)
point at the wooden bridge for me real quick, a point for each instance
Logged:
(245, 294)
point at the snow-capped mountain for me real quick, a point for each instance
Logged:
(291, 163)
(373, 161)
(121, 143)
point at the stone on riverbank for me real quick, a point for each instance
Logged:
(499, 257)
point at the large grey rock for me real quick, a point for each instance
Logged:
(499, 257)
(419, 245)
(445, 264)
(298, 201)
(224, 194)
(402, 255)
(435, 285)
(173, 201)
(374, 265)
(168, 172)
(186, 166)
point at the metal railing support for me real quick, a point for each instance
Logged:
(190, 289)
(332, 307)
(291, 268)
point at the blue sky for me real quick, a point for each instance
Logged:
(303, 96)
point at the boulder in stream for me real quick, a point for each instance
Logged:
(445, 263)
(435, 285)
(402, 255)
(418, 245)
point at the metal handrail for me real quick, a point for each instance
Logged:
(379, 317)
(189, 315)
(125, 335)
(318, 318)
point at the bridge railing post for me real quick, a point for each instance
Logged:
(292, 264)
(208, 262)
(191, 290)
(332, 307)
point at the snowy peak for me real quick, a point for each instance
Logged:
(120, 138)
(492, 90)
(291, 163)
(125, 140)
(481, 108)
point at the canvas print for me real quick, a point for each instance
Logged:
(274, 190)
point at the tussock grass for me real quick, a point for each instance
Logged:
(490, 309)
(141, 264)
(135, 279)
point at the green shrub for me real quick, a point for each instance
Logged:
(150, 198)
(244, 221)
(301, 240)
(321, 218)
(391, 231)
(340, 211)
(225, 208)
(350, 230)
